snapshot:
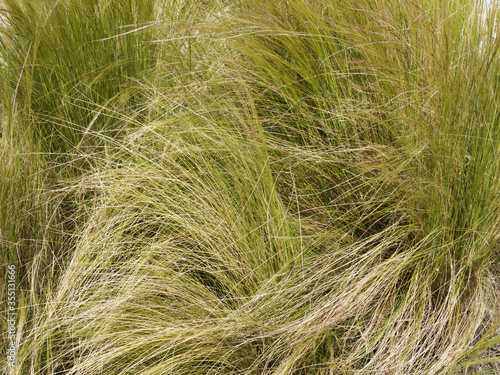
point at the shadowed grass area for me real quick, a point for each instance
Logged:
(292, 187)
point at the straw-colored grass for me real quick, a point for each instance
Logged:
(251, 187)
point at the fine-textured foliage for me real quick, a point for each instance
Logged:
(251, 187)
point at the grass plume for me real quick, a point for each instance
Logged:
(265, 187)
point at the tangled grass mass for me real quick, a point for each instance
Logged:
(251, 187)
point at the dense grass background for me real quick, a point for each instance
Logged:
(251, 187)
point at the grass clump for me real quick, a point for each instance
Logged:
(297, 187)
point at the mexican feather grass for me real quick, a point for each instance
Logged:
(251, 187)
